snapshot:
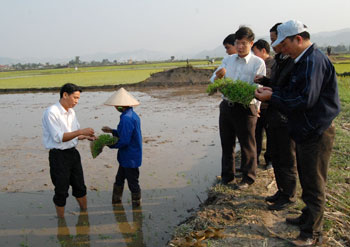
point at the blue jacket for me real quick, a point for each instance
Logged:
(311, 99)
(130, 139)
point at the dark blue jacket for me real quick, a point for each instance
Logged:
(311, 100)
(130, 139)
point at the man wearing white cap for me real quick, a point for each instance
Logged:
(129, 145)
(311, 102)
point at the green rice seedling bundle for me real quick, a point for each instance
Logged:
(97, 145)
(237, 91)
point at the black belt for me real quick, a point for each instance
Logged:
(231, 103)
(68, 149)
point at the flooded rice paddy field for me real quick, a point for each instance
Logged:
(181, 157)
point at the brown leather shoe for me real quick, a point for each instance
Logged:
(280, 204)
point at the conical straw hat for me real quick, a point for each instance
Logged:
(122, 98)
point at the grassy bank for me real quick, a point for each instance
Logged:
(337, 217)
(242, 217)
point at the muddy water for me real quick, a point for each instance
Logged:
(181, 158)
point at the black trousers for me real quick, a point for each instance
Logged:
(312, 161)
(66, 170)
(283, 160)
(132, 177)
(238, 121)
(262, 125)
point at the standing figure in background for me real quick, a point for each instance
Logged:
(229, 44)
(282, 145)
(261, 48)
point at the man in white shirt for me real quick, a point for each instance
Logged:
(61, 132)
(236, 120)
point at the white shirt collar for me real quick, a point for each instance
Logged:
(301, 54)
(62, 109)
(246, 58)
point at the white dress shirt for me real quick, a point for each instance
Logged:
(223, 65)
(244, 69)
(56, 121)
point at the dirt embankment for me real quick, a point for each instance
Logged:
(231, 217)
(241, 216)
(182, 76)
(179, 77)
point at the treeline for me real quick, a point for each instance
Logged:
(335, 49)
(74, 63)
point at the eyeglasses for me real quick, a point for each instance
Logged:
(242, 43)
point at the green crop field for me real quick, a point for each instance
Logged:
(95, 78)
(88, 76)
(342, 67)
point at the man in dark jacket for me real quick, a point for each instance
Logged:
(311, 102)
(282, 145)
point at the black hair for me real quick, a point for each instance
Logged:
(244, 32)
(230, 39)
(260, 44)
(69, 88)
(274, 28)
(305, 35)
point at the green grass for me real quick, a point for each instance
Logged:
(338, 186)
(342, 67)
(79, 78)
(88, 76)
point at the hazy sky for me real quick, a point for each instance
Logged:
(66, 28)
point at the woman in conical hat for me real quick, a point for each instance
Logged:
(129, 144)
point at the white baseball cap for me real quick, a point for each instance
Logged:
(287, 29)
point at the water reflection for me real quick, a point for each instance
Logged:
(132, 233)
(82, 237)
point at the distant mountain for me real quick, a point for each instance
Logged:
(7, 60)
(334, 38)
(340, 37)
(217, 52)
(138, 55)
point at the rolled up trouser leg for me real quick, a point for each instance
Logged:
(136, 198)
(117, 194)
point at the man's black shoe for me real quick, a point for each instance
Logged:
(280, 204)
(298, 221)
(274, 197)
(225, 181)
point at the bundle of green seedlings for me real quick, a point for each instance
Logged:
(97, 145)
(236, 91)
